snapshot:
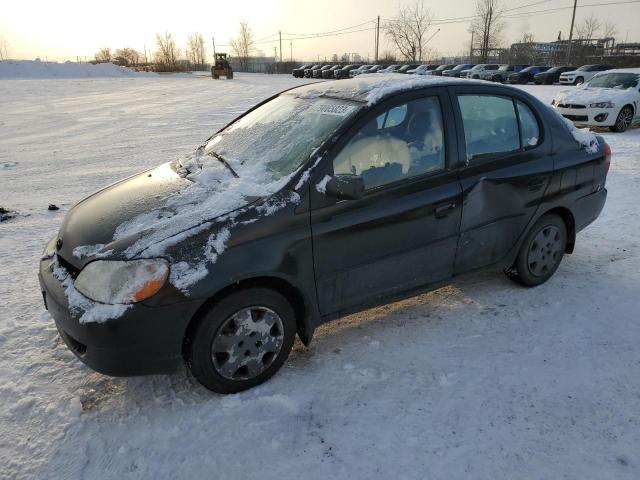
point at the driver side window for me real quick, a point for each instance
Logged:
(404, 141)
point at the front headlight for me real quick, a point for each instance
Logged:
(601, 105)
(112, 282)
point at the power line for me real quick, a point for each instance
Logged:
(331, 31)
(440, 21)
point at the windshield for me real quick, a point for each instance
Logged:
(504, 67)
(585, 68)
(615, 80)
(533, 69)
(444, 67)
(462, 67)
(279, 135)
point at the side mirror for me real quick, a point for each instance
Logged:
(345, 187)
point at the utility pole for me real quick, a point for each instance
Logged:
(377, 37)
(213, 42)
(471, 48)
(280, 34)
(573, 18)
(291, 50)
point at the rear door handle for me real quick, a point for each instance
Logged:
(536, 183)
(444, 210)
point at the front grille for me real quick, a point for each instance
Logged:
(577, 118)
(571, 105)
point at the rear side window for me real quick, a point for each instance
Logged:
(528, 126)
(490, 125)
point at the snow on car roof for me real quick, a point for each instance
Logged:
(372, 88)
(621, 70)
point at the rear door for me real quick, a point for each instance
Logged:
(505, 167)
(403, 232)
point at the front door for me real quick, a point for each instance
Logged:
(403, 232)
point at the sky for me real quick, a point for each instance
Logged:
(70, 29)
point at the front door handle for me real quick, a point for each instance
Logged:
(444, 210)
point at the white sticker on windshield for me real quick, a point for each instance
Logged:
(339, 110)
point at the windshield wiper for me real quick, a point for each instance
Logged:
(224, 162)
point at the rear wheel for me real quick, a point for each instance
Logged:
(541, 252)
(242, 341)
(623, 122)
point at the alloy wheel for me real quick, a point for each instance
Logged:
(247, 343)
(545, 251)
(624, 119)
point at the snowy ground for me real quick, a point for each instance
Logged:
(480, 379)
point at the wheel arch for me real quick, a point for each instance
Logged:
(630, 105)
(301, 307)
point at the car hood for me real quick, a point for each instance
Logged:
(572, 72)
(587, 95)
(111, 221)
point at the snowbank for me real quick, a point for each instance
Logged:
(38, 69)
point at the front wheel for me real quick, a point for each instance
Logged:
(623, 122)
(579, 81)
(241, 341)
(541, 252)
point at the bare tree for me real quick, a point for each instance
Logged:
(167, 53)
(5, 48)
(127, 56)
(242, 45)
(486, 26)
(388, 57)
(103, 55)
(589, 28)
(407, 30)
(609, 29)
(195, 49)
(524, 51)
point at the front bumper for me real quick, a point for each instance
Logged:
(593, 117)
(144, 340)
(567, 80)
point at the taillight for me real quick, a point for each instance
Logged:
(607, 158)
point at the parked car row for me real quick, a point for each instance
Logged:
(503, 73)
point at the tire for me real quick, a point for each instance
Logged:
(230, 76)
(537, 261)
(242, 340)
(624, 120)
(496, 78)
(578, 81)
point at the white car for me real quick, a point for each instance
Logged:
(610, 99)
(582, 74)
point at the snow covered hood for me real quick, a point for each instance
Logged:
(92, 223)
(587, 95)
